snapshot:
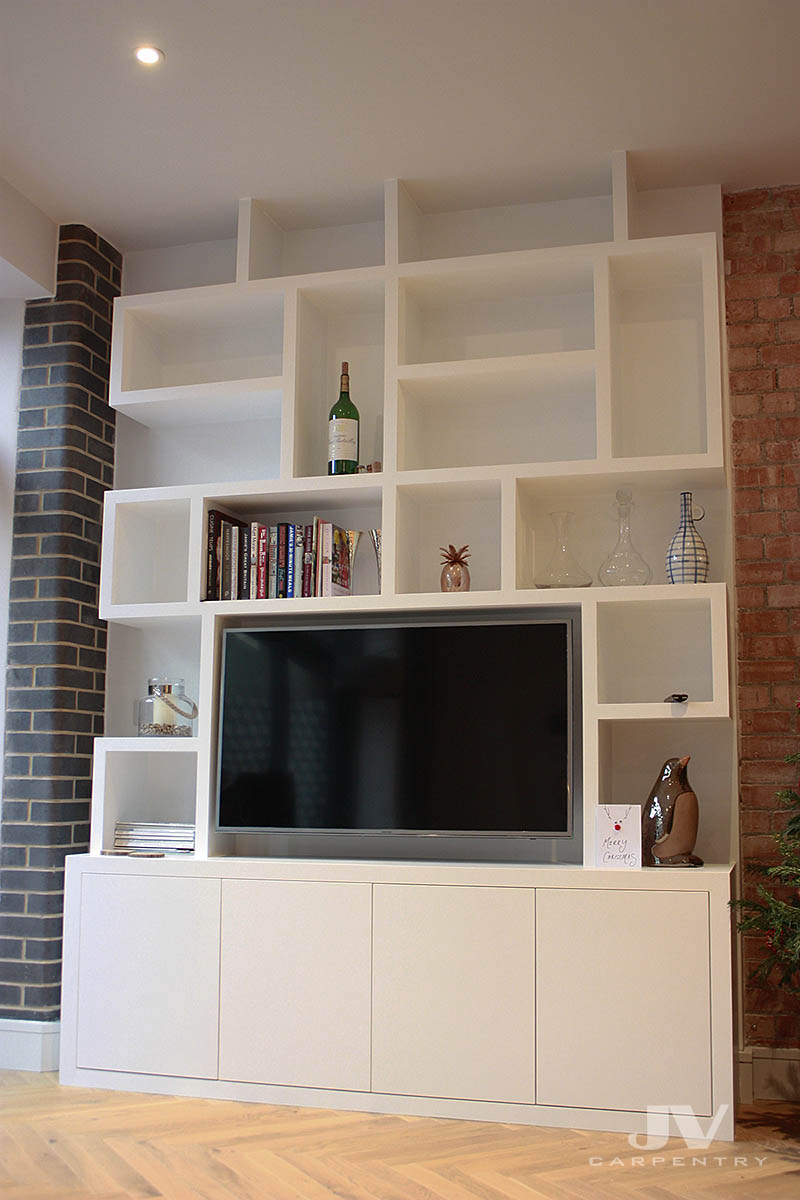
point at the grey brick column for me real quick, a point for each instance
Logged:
(57, 646)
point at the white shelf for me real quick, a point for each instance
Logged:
(139, 616)
(146, 745)
(633, 748)
(142, 779)
(338, 323)
(496, 309)
(429, 517)
(204, 403)
(426, 233)
(148, 545)
(495, 411)
(650, 647)
(591, 497)
(296, 243)
(664, 351)
(141, 650)
(546, 368)
(204, 335)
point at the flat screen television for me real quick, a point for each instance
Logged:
(458, 727)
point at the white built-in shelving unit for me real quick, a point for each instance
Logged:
(507, 363)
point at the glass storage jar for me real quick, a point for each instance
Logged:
(166, 710)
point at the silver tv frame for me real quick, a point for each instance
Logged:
(551, 846)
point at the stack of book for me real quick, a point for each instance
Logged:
(165, 837)
(251, 561)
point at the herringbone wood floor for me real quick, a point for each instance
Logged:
(75, 1144)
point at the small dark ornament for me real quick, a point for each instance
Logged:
(670, 818)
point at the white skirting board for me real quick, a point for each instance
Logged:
(767, 1073)
(553, 1116)
(29, 1045)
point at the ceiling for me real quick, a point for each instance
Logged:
(312, 103)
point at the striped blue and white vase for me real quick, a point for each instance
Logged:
(687, 556)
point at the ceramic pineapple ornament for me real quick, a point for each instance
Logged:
(455, 572)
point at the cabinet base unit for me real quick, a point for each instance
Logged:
(532, 995)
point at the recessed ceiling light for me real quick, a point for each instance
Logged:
(149, 55)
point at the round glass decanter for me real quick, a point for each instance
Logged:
(563, 570)
(624, 565)
(166, 710)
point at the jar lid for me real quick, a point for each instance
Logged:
(159, 685)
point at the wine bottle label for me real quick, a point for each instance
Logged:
(342, 440)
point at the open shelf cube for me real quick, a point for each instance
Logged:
(358, 507)
(530, 409)
(649, 649)
(497, 311)
(335, 324)
(300, 245)
(633, 752)
(428, 233)
(169, 647)
(207, 336)
(594, 527)
(147, 779)
(191, 453)
(432, 516)
(658, 354)
(151, 551)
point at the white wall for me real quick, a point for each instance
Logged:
(28, 251)
(28, 247)
(12, 313)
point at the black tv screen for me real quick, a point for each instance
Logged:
(458, 728)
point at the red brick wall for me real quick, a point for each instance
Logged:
(762, 253)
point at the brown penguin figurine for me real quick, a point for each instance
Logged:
(670, 818)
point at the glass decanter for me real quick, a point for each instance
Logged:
(563, 570)
(624, 565)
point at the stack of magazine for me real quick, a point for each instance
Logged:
(153, 837)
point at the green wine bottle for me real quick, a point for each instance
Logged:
(343, 431)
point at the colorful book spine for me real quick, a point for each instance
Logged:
(235, 531)
(211, 556)
(315, 552)
(298, 560)
(227, 559)
(214, 554)
(252, 593)
(325, 552)
(263, 561)
(272, 563)
(280, 583)
(290, 555)
(244, 562)
(307, 588)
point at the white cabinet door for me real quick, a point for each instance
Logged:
(294, 986)
(453, 992)
(148, 975)
(623, 1016)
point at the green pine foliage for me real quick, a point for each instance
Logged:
(776, 912)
